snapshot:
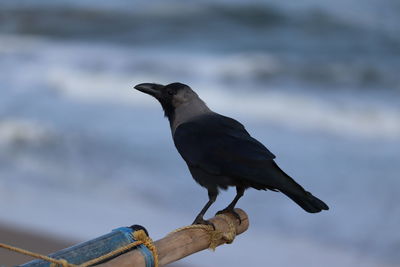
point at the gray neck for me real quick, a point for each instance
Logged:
(186, 111)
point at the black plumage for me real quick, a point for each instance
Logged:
(220, 152)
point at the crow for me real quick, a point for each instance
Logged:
(220, 152)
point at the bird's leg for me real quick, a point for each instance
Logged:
(231, 206)
(212, 196)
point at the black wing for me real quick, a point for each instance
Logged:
(221, 146)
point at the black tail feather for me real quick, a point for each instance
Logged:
(307, 201)
(297, 193)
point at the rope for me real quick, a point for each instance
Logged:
(140, 236)
(230, 235)
(214, 235)
(110, 254)
(55, 262)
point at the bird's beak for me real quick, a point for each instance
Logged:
(152, 89)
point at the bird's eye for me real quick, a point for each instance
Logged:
(170, 92)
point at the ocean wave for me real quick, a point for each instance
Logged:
(246, 82)
(263, 42)
(208, 25)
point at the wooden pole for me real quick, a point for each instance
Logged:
(178, 245)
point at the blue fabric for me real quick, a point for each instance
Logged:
(126, 231)
(148, 256)
(97, 247)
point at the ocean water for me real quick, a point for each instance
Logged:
(82, 152)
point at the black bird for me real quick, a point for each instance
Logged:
(220, 152)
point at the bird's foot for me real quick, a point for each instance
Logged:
(231, 211)
(200, 220)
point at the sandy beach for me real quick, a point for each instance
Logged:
(36, 242)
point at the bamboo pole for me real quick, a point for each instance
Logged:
(178, 245)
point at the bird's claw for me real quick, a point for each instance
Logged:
(231, 211)
(200, 220)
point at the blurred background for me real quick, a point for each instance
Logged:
(317, 82)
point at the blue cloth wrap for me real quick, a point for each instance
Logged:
(97, 247)
(147, 254)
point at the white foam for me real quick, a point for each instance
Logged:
(348, 117)
(17, 131)
(84, 73)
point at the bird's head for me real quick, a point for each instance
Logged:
(171, 96)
